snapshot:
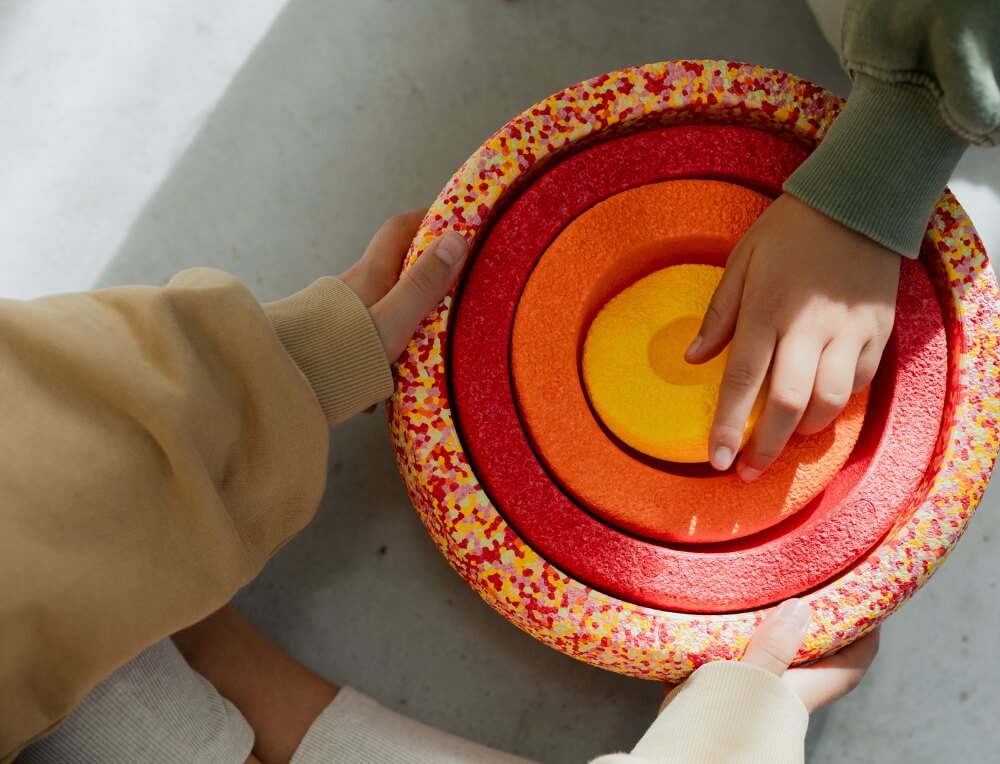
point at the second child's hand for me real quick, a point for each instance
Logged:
(397, 303)
(775, 644)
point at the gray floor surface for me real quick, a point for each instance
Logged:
(349, 111)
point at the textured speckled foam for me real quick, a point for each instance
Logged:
(496, 559)
(793, 556)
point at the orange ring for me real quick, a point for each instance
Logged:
(610, 246)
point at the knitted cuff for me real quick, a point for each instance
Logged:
(883, 164)
(329, 333)
(154, 708)
(354, 729)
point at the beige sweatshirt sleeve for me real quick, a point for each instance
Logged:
(159, 445)
(726, 713)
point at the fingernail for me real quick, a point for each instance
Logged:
(694, 346)
(749, 473)
(451, 248)
(723, 458)
(794, 612)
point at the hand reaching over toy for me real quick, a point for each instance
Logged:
(397, 303)
(809, 299)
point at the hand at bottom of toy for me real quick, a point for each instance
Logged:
(776, 642)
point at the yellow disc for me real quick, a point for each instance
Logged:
(634, 369)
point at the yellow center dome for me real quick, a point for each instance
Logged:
(634, 370)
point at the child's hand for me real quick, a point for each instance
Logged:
(813, 301)
(397, 305)
(775, 643)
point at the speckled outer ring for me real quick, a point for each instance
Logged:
(588, 624)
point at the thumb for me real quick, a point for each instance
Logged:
(719, 323)
(776, 641)
(419, 289)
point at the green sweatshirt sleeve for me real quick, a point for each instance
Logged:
(926, 79)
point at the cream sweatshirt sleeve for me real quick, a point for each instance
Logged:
(726, 713)
(159, 445)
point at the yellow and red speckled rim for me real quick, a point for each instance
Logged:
(588, 624)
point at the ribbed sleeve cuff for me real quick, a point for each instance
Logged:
(154, 708)
(329, 333)
(882, 166)
(354, 729)
(728, 713)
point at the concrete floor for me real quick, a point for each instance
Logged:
(348, 111)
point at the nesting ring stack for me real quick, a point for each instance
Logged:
(553, 439)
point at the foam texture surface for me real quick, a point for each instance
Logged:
(799, 553)
(657, 224)
(637, 379)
